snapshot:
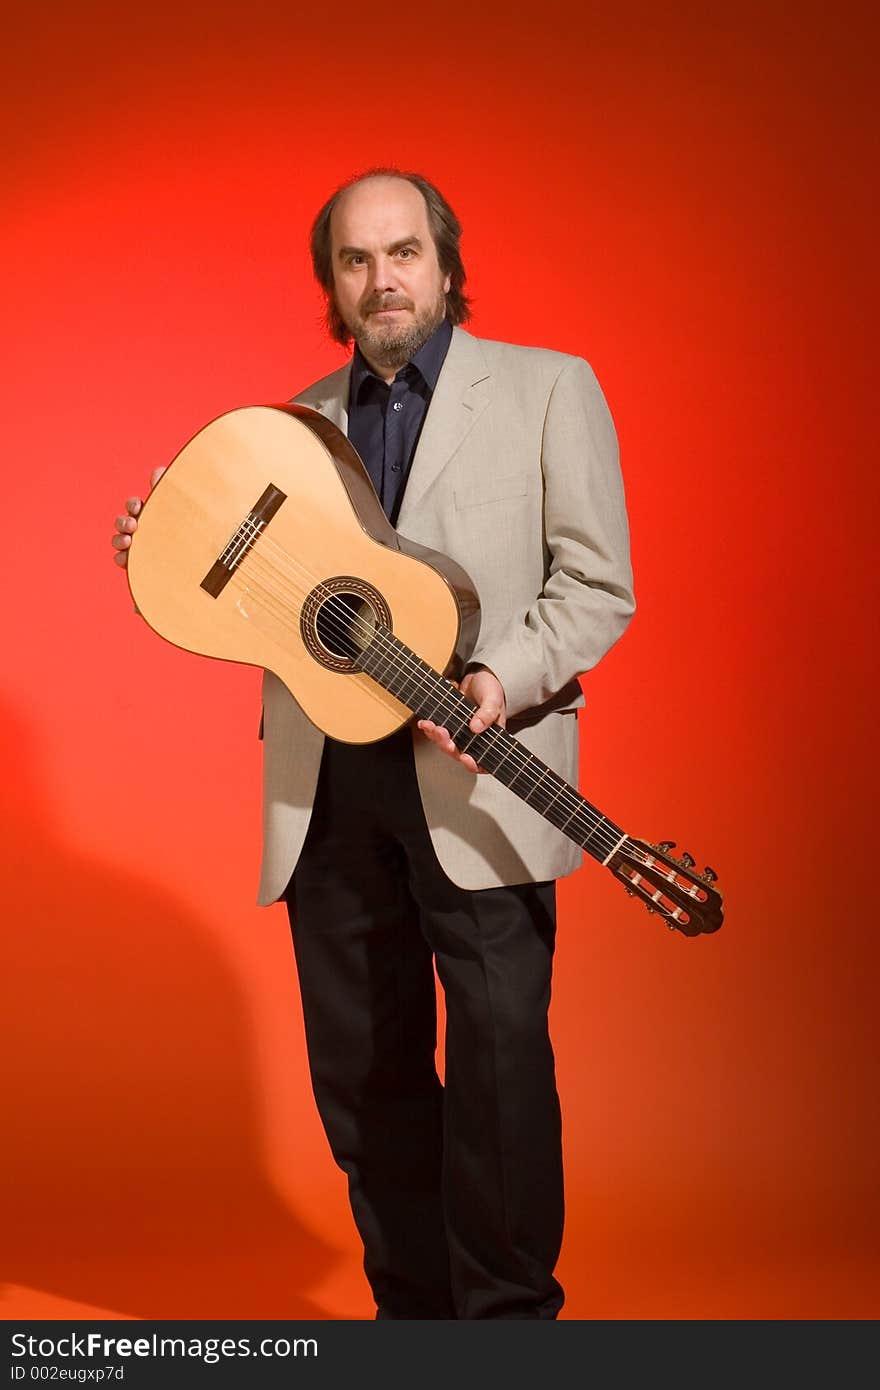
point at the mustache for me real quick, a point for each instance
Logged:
(391, 301)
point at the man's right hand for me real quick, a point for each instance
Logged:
(127, 525)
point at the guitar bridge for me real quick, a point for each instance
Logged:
(243, 540)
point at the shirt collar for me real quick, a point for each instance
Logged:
(427, 361)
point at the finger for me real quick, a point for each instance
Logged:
(133, 505)
(121, 557)
(126, 524)
(487, 713)
(437, 735)
(428, 727)
(443, 739)
(120, 542)
(155, 476)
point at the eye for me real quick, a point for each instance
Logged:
(406, 252)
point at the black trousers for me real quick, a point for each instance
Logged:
(456, 1189)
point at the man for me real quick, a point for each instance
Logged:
(394, 857)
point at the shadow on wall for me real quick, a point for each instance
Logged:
(131, 1174)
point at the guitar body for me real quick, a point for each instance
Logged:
(262, 519)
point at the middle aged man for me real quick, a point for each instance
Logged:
(394, 857)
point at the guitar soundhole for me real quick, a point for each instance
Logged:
(339, 620)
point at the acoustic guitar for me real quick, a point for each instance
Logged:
(264, 542)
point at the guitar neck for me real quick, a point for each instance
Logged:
(432, 696)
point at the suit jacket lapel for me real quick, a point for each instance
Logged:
(332, 397)
(461, 395)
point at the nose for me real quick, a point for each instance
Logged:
(383, 277)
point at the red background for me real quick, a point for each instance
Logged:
(681, 196)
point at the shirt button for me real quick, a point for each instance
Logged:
(395, 468)
(398, 405)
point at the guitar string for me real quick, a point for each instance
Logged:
(596, 824)
(592, 824)
(584, 818)
(597, 827)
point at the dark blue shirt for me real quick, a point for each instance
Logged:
(385, 421)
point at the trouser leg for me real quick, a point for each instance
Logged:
(502, 1179)
(466, 1186)
(369, 1004)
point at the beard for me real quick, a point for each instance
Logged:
(390, 345)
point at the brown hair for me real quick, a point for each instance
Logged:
(445, 231)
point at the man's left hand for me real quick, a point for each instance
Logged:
(487, 690)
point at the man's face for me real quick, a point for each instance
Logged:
(388, 286)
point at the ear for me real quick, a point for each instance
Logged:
(446, 284)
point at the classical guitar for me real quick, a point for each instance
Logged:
(264, 542)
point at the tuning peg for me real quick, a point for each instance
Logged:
(709, 874)
(688, 860)
(665, 846)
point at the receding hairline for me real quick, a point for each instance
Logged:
(412, 239)
(350, 188)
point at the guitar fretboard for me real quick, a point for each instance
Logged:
(431, 696)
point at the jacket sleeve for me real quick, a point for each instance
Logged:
(587, 600)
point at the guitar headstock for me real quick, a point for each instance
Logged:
(685, 900)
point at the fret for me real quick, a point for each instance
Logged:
(375, 665)
(508, 746)
(596, 828)
(404, 691)
(537, 787)
(551, 788)
(396, 683)
(524, 776)
(559, 790)
(467, 746)
(493, 754)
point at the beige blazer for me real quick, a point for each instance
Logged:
(516, 477)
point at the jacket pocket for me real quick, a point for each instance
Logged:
(484, 490)
(568, 700)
